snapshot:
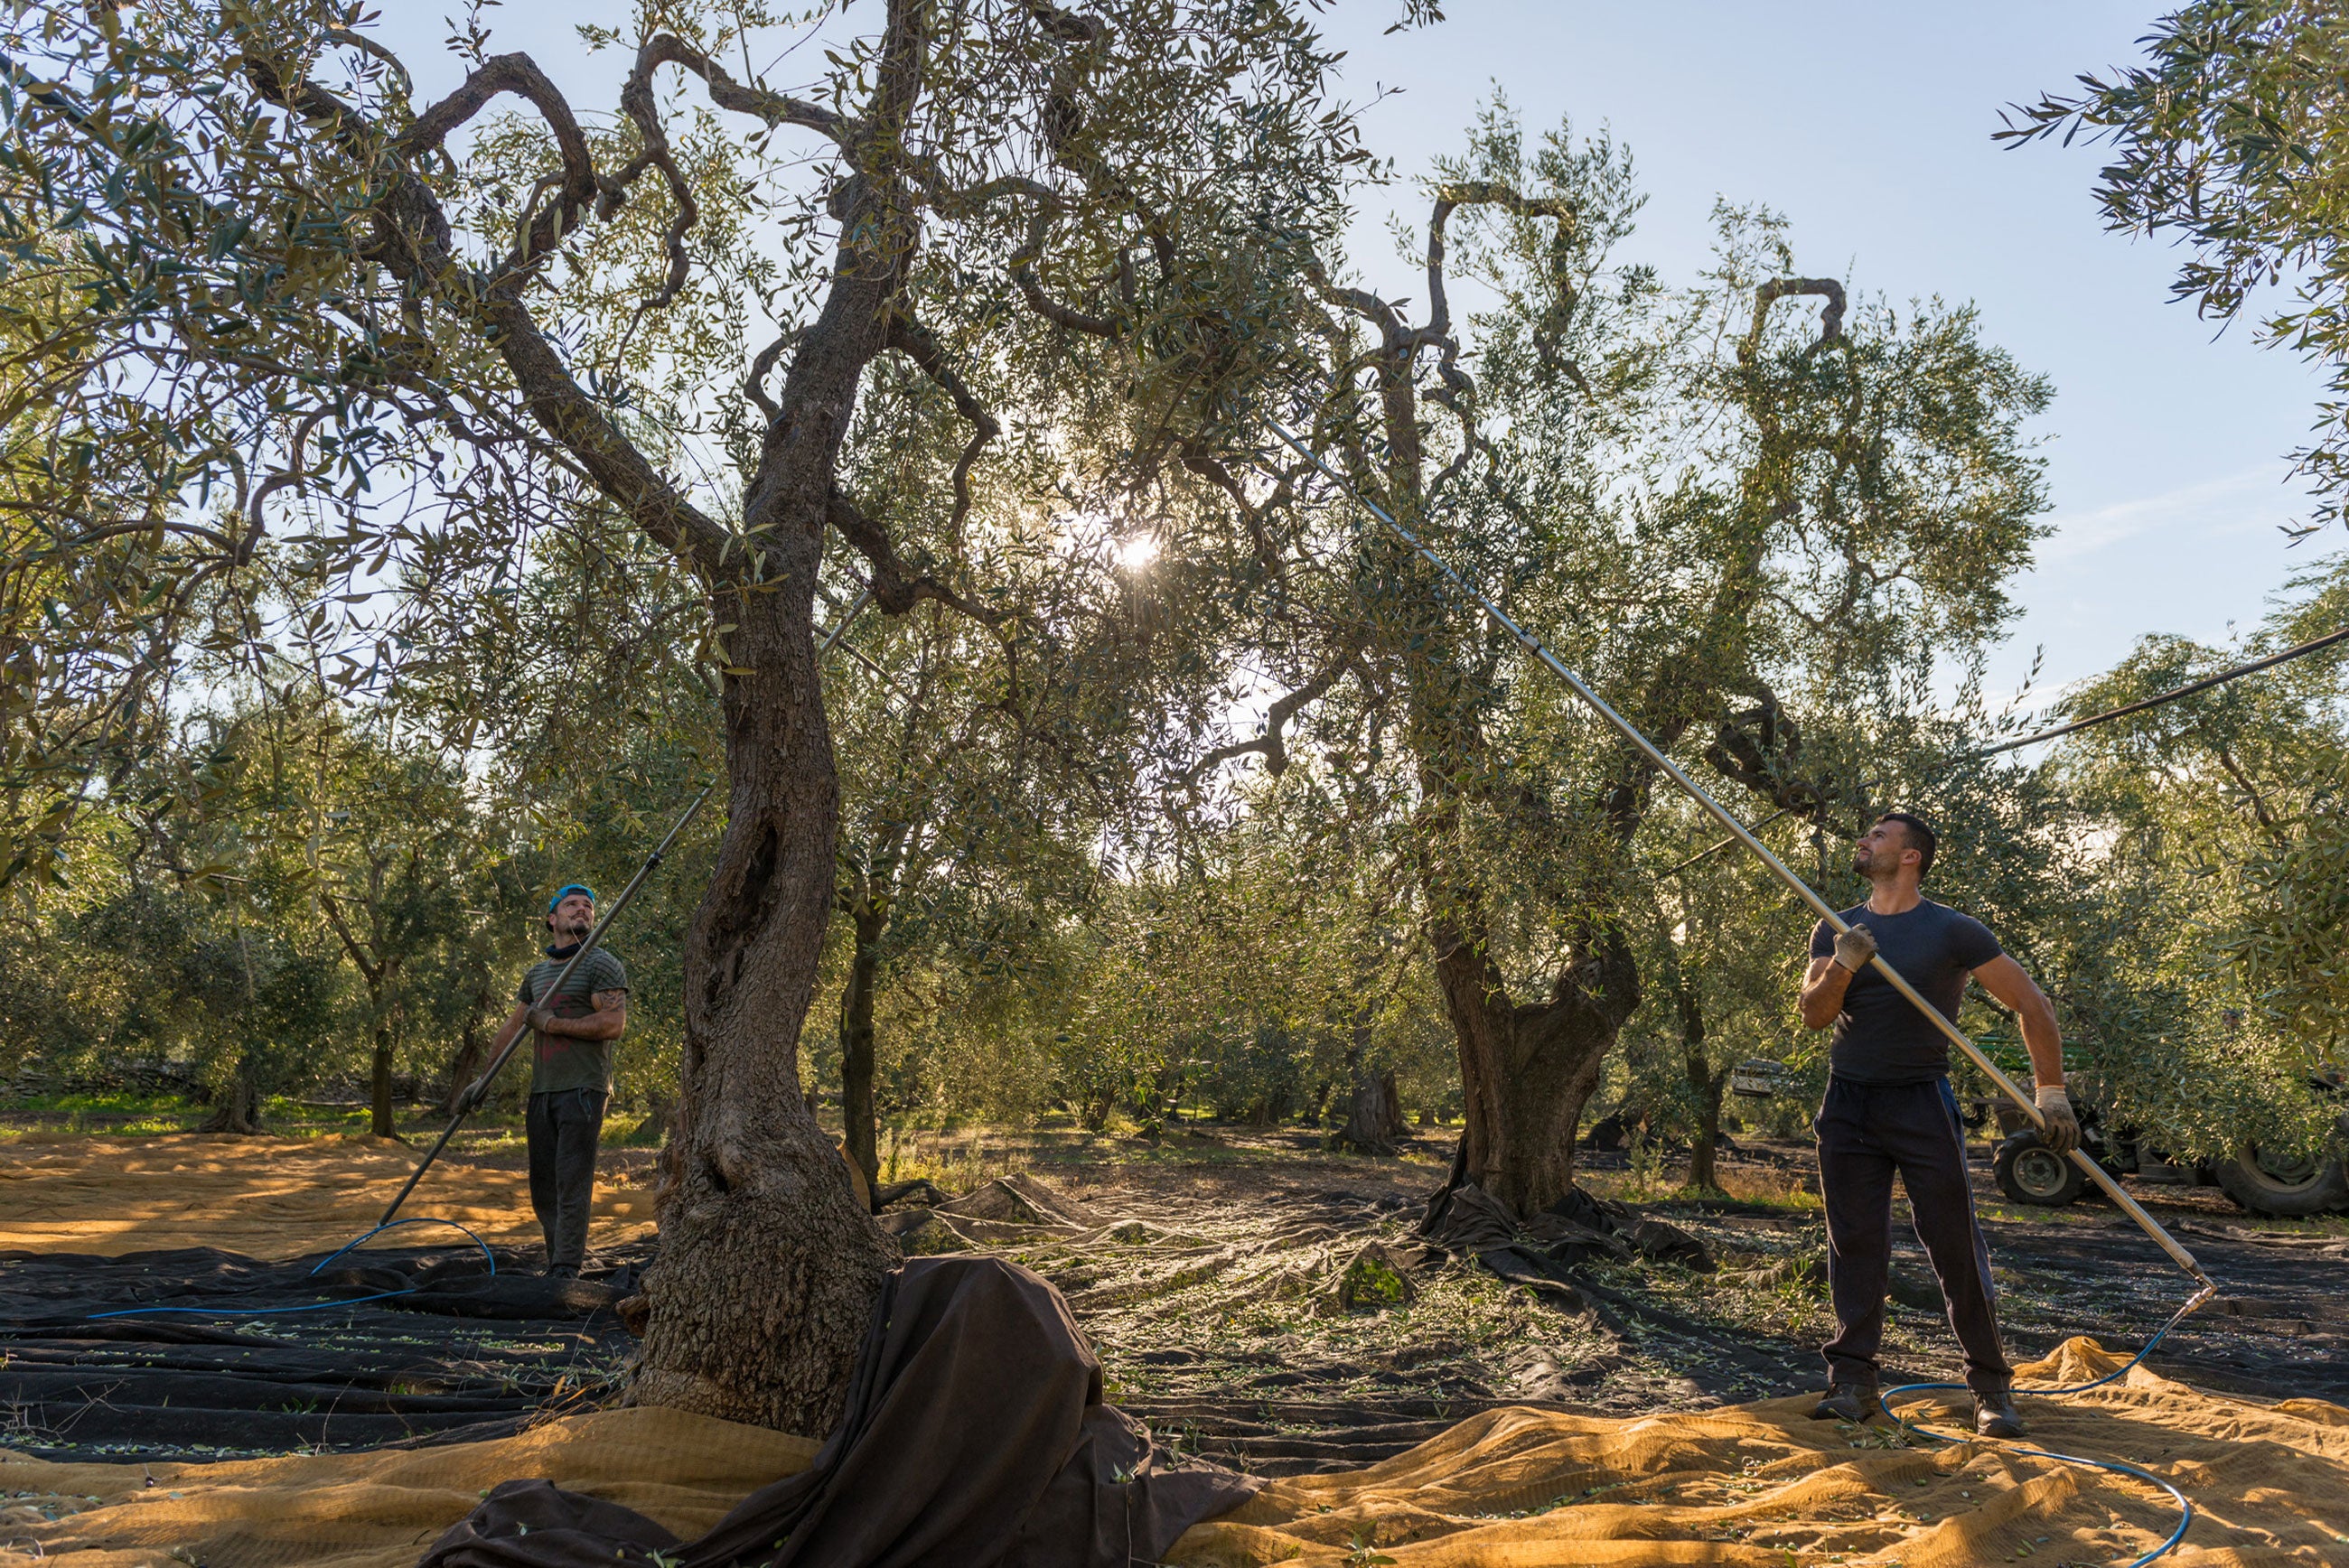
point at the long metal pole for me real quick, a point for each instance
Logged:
(846, 617)
(2221, 678)
(2075, 726)
(475, 1092)
(1533, 644)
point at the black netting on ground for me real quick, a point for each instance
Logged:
(464, 1354)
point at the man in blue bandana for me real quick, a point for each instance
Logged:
(577, 1033)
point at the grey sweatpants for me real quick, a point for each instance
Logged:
(563, 1127)
(1866, 1132)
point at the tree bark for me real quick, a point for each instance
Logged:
(1374, 1120)
(380, 1083)
(1528, 1069)
(1703, 1148)
(1705, 1082)
(238, 1108)
(472, 1054)
(860, 1123)
(769, 1267)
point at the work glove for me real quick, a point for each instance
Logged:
(1854, 948)
(2060, 1128)
(471, 1099)
(538, 1018)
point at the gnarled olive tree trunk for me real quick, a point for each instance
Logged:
(1527, 1070)
(236, 1106)
(769, 1267)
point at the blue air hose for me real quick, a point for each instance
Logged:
(311, 1305)
(2117, 1467)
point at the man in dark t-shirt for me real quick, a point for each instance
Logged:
(1889, 1108)
(577, 1031)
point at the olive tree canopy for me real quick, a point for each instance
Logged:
(280, 304)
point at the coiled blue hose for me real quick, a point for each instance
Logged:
(311, 1305)
(2117, 1467)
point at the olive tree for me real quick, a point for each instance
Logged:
(2221, 845)
(2228, 139)
(1723, 502)
(401, 336)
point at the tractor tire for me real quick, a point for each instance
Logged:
(2304, 1187)
(2028, 1171)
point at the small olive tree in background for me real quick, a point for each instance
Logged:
(1725, 944)
(2215, 884)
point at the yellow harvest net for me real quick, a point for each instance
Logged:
(1756, 1486)
(264, 1197)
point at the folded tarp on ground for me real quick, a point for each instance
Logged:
(975, 1435)
(254, 1358)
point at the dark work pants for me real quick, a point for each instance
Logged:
(563, 1127)
(1866, 1132)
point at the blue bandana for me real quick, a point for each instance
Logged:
(567, 891)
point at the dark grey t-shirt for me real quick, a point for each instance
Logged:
(560, 1062)
(1879, 1036)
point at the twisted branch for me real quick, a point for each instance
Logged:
(519, 75)
(1273, 743)
(1776, 289)
(896, 587)
(912, 340)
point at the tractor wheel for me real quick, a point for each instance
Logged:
(2029, 1173)
(2287, 1189)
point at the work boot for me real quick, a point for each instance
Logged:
(563, 1271)
(1996, 1417)
(1853, 1402)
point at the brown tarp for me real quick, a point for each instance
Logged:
(975, 1435)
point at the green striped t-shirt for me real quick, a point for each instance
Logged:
(560, 1062)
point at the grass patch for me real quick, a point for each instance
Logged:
(951, 1162)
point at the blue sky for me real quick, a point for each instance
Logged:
(1869, 126)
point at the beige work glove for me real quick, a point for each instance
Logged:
(538, 1018)
(2061, 1128)
(1854, 948)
